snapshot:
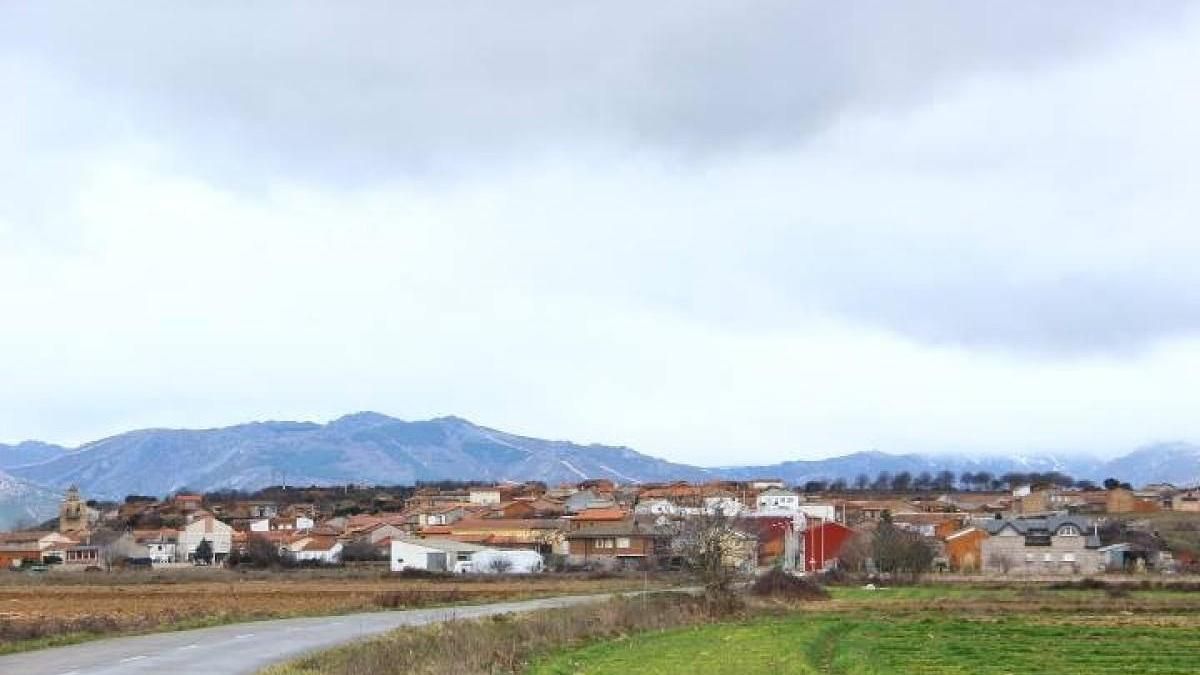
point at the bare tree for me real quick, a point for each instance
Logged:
(362, 550)
(114, 547)
(900, 552)
(500, 565)
(855, 553)
(260, 552)
(715, 548)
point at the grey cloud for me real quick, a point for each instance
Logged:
(335, 92)
(343, 95)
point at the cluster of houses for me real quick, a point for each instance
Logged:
(597, 523)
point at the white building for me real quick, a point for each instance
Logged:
(817, 511)
(434, 555)
(160, 545)
(207, 529)
(777, 499)
(325, 550)
(298, 524)
(725, 506)
(657, 507)
(484, 496)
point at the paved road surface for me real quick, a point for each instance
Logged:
(244, 647)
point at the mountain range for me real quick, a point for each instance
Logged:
(370, 448)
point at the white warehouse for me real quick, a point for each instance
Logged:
(433, 555)
(445, 555)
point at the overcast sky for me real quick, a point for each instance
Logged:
(719, 232)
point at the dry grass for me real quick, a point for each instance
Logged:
(58, 605)
(505, 643)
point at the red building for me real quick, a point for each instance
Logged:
(774, 533)
(823, 543)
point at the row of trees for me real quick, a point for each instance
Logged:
(947, 481)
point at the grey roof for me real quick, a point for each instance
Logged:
(1047, 525)
(777, 492)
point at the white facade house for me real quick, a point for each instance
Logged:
(160, 547)
(433, 555)
(723, 506)
(777, 499)
(817, 511)
(207, 529)
(657, 507)
(484, 496)
(298, 524)
(325, 550)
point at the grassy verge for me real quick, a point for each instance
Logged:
(929, 630)
(505, 643)
(865, 645)
(939, 630)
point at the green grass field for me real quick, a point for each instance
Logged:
(862, 644)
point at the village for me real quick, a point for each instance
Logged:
(1042, 527)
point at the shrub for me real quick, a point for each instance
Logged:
(415, 573)
(779, 584)
(410, 597)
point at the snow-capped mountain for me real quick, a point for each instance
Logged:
(370, 448)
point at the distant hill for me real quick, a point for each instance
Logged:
(850, 466)
(361, 448)
(29, 452)
(370, 448)
(24, 504)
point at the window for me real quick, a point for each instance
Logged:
(1046, 557)
(1068, 557)
(606, 543)
(622, 542)
(1068, 531)
(1028, 557)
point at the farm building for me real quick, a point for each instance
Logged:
(823, 544)
(433, 555)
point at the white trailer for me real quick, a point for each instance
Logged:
(433, 555)
(506, 561)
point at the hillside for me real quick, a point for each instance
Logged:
(24, 504)
(361, 448)
(370, 448)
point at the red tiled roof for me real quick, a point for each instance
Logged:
(601, 514)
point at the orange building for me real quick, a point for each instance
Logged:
(964, 549)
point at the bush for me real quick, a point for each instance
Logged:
(406, 598)
(416, 573)
(1086, 584)
(781, 585)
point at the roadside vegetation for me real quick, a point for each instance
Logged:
(506, 643)
(782, 624)
(862, 644)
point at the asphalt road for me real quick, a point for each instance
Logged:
(245, 647)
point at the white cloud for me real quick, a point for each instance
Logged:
(998, 258)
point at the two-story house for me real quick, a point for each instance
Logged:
(1050, 545)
